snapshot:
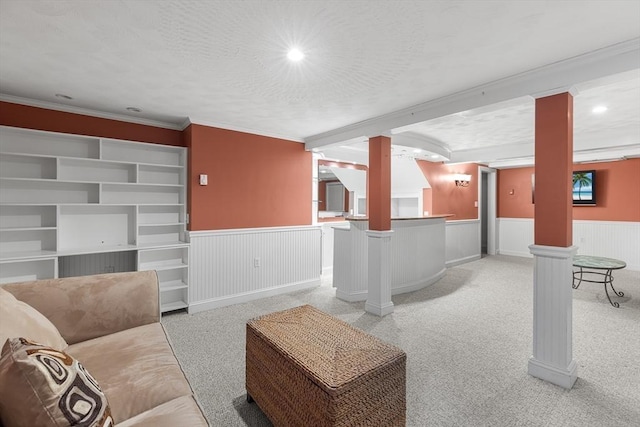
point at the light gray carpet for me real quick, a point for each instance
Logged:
(468, 338)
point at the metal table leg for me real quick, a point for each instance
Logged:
(577, 275)
(608, 280)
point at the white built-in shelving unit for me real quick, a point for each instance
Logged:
(75, 205)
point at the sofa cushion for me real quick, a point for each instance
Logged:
(19, 319)
(183, 411)
(87, 307)
(136, 368)
(41, 386)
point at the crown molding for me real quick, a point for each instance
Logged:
(196, 121)
(87, 112)
(563, 74)
(572, 90)
(125, 118)
(185, 124)
(610, 154)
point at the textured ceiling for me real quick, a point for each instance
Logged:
(223, 63)
(512, 122)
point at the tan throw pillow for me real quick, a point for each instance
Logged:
(40, 386)
(19, 319)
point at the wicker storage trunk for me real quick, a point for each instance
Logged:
(307, 368)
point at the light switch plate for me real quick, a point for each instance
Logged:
(203, 179)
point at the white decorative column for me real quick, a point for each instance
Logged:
(552, 358)
(379, 271)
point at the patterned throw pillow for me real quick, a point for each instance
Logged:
(40, 386)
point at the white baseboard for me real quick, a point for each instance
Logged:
(419, 284)
(464, 260)
(401, 289)
(564, 378)
(516, 253)
(251, 296)
(353, 297)
(327, 271)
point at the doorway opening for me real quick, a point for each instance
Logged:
(487, 199)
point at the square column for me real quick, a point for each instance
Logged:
(552, 358)
(379, 235)
(379, 271)
(379, 183)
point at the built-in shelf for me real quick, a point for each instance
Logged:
(172, 306)
(175, 224)
(26, 229)
(22, 270)
(67, 201)
(25, 255)
(171, 286)
(90, 170)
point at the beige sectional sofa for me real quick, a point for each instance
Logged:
(110, 324)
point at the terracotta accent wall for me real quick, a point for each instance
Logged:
(445, 197)
(254, 181)
(25, 116)
(617, 186)
(514, 193)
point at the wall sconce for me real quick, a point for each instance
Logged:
(462, 180)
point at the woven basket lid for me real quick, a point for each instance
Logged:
(331, 352)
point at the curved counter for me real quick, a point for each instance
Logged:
(417, 255)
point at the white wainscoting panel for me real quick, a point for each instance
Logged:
(417, 258)
(515, 235)
(350, 264)
(327, 244)
(461, 245)
(612, 239)
(416, 254)
(462, 241)
(234, 266)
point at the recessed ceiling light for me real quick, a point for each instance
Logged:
(63, 96)
(417, 150)
(134, 109)
(599, 109)
(295, 55)
(434, 156)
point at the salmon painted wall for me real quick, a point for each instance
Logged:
(445, 197)
(254, 181)
(25, 116)
(617, 183)
(514, 193)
